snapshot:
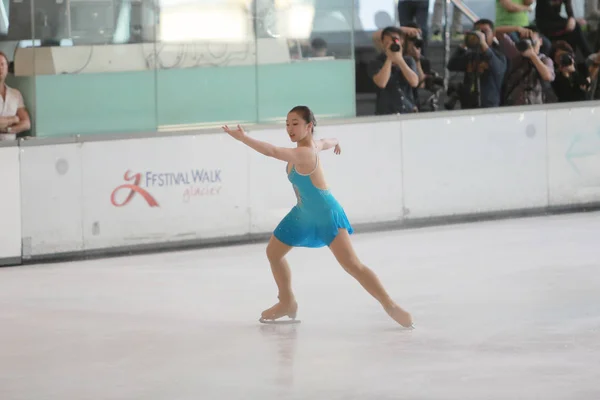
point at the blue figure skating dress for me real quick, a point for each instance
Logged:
(315, 219)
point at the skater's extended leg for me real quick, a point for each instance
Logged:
(344, 252)
(276, 251)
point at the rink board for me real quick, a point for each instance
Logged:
(51, 198)
(78, 197)
(474, 164)
(10, 206)
(163, 189)
(574, 155)
(197, 187)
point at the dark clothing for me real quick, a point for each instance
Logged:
(426, 67)
(552, 24)
(548, 11)
(397, 96)
(491, 67)
(523, 83)
(415, 11)
(576, 39)
(568, 88)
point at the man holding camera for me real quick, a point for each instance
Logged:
(484, 66)
(430, 83)
(530, 72)
(394, 74)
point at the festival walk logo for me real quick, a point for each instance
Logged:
(195, 183)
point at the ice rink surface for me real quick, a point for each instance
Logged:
(502, 309)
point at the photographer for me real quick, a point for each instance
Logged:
(430, 83)
(572, 81)
(484, 67)
(530, 72)
(394, 74)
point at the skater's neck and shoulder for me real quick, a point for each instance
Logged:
(310, 159)
(312, 169)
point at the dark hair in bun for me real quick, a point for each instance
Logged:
(306, 114)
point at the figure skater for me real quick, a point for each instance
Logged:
(317, 220)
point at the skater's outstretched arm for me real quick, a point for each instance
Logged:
(300, 155)
(326, 144)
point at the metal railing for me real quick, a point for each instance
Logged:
(466, 11)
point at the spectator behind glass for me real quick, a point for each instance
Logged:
(554, 26)
(592, 9)
(415, 11)
(429, 81)
(515, 13)
(436, 20)
(414, 49)
(572, 82)
(318, 47)
(530, 72)
(14, 117)
(394, 74)
(481, 62)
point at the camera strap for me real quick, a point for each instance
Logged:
(406, 104)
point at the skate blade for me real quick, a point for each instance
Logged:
(279, 322)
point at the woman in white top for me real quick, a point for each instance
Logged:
(14, 117)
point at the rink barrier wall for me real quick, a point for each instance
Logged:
(98, 197)
(10, 204)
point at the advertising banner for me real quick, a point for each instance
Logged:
(164, 189)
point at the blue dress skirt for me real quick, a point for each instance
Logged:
(315, 220)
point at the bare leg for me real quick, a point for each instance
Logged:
(344, 252)
(287, 305)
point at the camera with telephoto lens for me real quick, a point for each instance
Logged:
(454, 94)
(433, 81)
(566, 60)
(472, 41)
(417, 40)
(395, 47)
(581, 81)
(525, 44)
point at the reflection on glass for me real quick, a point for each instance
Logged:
(189, 21)
(168, 64)
(304, 56)
(283, 18)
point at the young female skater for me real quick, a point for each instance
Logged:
(317, 220)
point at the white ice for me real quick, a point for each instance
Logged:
(503, 310)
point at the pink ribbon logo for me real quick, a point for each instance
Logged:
(134, 188)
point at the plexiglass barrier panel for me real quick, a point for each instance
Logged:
(120, 66)
(305, 56)
(206, 63)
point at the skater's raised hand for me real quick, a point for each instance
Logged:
(337, 149)
(326, 144)
(238, 133)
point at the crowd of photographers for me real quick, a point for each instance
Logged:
(504, 65)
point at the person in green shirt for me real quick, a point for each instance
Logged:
(513, 12)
